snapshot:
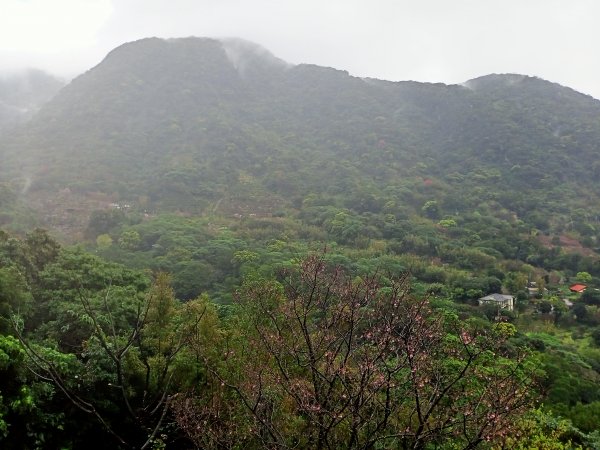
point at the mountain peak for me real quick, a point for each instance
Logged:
(495, 80)
(509, 82)
(244, 55)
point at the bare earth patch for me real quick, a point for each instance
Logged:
(568, 244)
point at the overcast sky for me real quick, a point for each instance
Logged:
(447, 41)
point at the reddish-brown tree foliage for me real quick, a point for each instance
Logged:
(321, 360)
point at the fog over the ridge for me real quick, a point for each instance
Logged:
(427, 40)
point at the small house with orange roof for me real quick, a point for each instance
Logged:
(578, 287)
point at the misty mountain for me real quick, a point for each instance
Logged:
(190, 124)
(23, 93)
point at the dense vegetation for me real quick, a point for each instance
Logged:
(197, 175)
(315, 358)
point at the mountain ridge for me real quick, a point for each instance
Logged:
(176, 121)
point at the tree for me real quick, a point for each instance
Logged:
(29, 255)
(540, 430)
(14, 296)
(584, 277)
(515, 281)
(130, 240)
(431, 209)
(559, 308)
(103, 221)
(596, 336)
(590, 297)
(31, 412)
(104, 241)
(580, 312)
(545, 307)
(128, 363)
(323, 360)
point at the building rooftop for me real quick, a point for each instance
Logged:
(497, 297)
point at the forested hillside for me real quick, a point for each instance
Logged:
(201, 189)
(186, 123)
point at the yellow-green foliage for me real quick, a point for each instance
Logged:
(541, 431)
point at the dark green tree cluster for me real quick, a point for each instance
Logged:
(92, 352)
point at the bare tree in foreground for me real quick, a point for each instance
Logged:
(320, 360)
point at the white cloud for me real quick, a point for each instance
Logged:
(425, 40)
(51, 26)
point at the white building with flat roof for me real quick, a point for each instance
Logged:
(500, 300)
